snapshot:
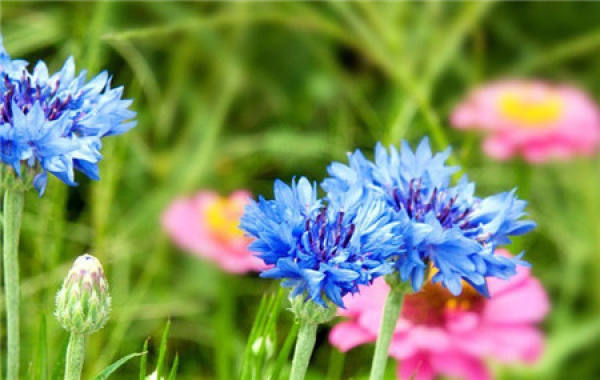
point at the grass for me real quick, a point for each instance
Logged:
(233, 95)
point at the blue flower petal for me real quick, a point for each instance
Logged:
(54, 123)
(437, 224)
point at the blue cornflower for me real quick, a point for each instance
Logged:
(320, 247)
(444, 226)
(55, 123)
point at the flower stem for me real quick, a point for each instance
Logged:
(305, 343)
(75, 356)
(391, 311)
(13, 212)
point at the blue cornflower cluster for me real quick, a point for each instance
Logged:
(399, 213)
(55, 123)
(321, 246)
(445, 228)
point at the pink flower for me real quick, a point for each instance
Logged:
(207, 225)
(531, 118)
(439, 333)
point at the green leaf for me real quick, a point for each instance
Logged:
(58, 372)
(268, 332)
(144, 360)
(254, 332)
(285, 351)
(336, 364)
(113, 367)
(173, 372)
(163, 351)
(224, 326)
(254, 361)
(40, 371)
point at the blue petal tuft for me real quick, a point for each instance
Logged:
(323, 249)
(443, 226)
(55, 123)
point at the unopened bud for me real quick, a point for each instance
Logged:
(311, 312)
(83, 302)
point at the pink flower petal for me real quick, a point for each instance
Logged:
(454, 363)
(528, 303)
(498, 147)
(457, 342)
(347, 335)
(416, 367)
(513, 343)
(185, 221)
(574, 128)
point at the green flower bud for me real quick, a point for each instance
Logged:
(10, 180)
(83, 302)
(311, 312)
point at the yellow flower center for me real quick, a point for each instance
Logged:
(223, 218)
(429, 305)
(531, 107)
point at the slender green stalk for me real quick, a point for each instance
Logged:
(307, 335)
(391, 311)
(13, 212)
(75, 356)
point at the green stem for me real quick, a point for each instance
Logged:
(307, 335)
(75, 356)
(13, 212)
(391, 311)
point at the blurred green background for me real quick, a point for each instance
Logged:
(233, 95)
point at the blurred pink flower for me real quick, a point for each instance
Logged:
(439, 333)
(532, 118)
(207, 225)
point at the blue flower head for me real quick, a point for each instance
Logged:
(444, 226)
(320, 248)
(55, 123)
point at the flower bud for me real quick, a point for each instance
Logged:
(307, 311)
(83, 302)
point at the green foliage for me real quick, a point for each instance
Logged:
(115, 366)
(58, 371)
(261, 343)
(144, 361)
(163, 351)
(232, 95)
(162, 368)
(39, 369)
(173, 371)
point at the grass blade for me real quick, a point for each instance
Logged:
(144, 360)
(41, 370)
(113, 367)
(285, 351)
(59, 364)
(336, 364)
(262, 309)
(163, 351)
(173, 372)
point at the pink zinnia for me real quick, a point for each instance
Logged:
(207, 225)
(531, 118)
(439, 333)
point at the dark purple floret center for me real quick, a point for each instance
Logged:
(417, 203)
(326, 237)
(24, 95)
